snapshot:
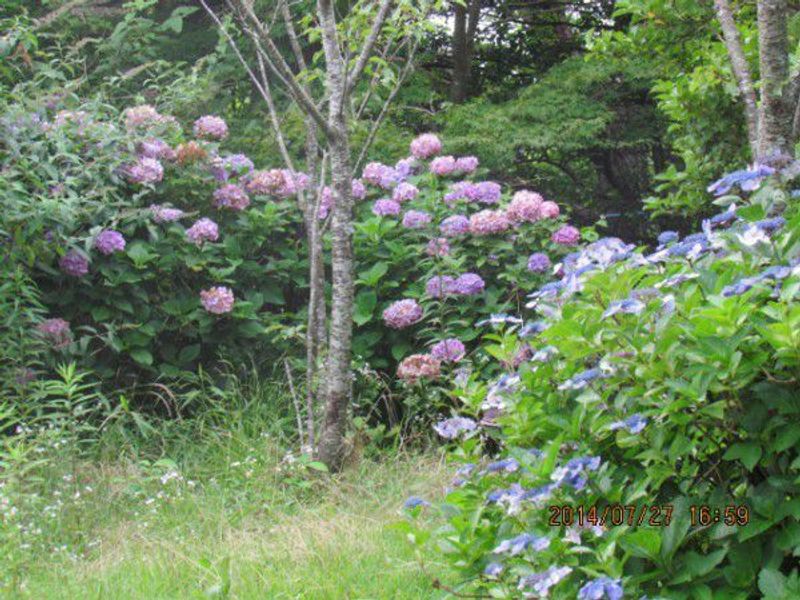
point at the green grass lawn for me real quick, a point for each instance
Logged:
(235, 521)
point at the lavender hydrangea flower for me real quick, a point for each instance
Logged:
(203, 230)
(210, 127)
(414, 502)
(724, 218)
(405, 167)
(109, 241)
(507, 465)
(385, 208)
(540, 583)
(145, 171)
(521, 543)
(466, 164)
(545, 354)
(232, 165)
(539, 262)
(426, 145)
(487, 222)
(156, 148)
(581, 380)
(440, 286)
(358, 189)
(449, 350)
(438, 247)
(231, 196)
(602, 588)
(494, 569)
(485, 192)
(634, 424)
(566, 236)
(461, 190)
(404, 192)
(629, 306)
(56, 332)
(402, 313)
(747, 180)
(770, 225)
(325, 203)
(74, 263)
(468, 284)
(381, 175)
(443, 166)
(165, 214)
(416, 219)
(454, 225)
(532, 329)
(217, 300)
(453, 427)
(667, 237)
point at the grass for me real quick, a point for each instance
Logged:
(223, 516)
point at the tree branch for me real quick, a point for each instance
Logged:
(369, 44)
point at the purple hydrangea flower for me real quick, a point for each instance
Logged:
(358, 189)
(438, 247)
(232, 165)
(165, 214)
(402, 313)
(507, 465)
(468, 284)
(634, 424)
(440, 286)
(486, 192)
(385, 208)
(567, 235)
(56, 332)
(499, 319)
(416, 219)
(74, 263)
(770, 225)
(217, 300)
(380, 175)
(210, 127)
(156, 148)
(539, 262)
(443, 166)
(454, 225)
(602, 588)
(532, 329)
(203, 230)
(426, 145)
(109, 241)
(405, 167)
(404, 192)
(453, 427)
(325, 203)
(449, 350)
(231, 196)
(521, 543)
(466, 164)
(145, 170)
(461, 190)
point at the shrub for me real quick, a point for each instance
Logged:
(649, 443)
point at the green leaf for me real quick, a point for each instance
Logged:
(189, 353)
(772, 584)
(142, 356)
(317, 466)
(372, 276)
(365, 302)
(673, 536)
(643, 543)
(747, 452)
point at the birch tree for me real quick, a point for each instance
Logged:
(354, 46)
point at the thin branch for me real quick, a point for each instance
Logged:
(369, 44)
(294, 401)
(290, 30)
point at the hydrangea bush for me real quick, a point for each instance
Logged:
(649, 444)
(155, 248)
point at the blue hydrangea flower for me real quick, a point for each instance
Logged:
(455, 426)
(724, 218)
(504, 386)
(602, 588)
(540, 583)
(545, 354)
(494, 569)
(629, 306)
(752, 236)
(770, 225)
(573, 473)
(508, 465)
(500, 319)
(581, 380)
(667, 237)
(521, 543)
(676, 280)
(634, 424)
(532, 329)
(747, 179)
(414, 502)
(548, 289)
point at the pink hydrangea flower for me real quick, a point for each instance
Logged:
(145, 170)
(550, 210)
(449, 350)
(487, 222)
(438, 247)
(486, 192)
(282, 183)
(461, 190)
(217, 300)
(165, 214)
(381, 175)
(402, 313)
(56, 332)
(144, 116)
(418, 366)
(405, 167)
(325, 203)
(443, 165)
(203, 230)
(567, 236)
(74, 263)
(211, 127)
(405, 192)
(156, 148)
(426, 145)
(466, 164)
(385, 207)
(109, 241)
(525, 207)
(416, 219)
(231, 196)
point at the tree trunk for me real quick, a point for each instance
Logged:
(465, 28)
(775, 122)
(331, 448)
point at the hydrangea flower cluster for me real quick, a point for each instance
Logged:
(567, 236)
(438, 247)
(217, 300)
(210, 127)
(538, 262)
(402, 313)
(165, 214)
(454, 427)
(381, 175)
(450, 350)
(224, 168)
(488, 222)
(156, 148)
(203, 230)
(231, 196)
(385, 208)
(416, 219)
(56, 332)
(144, 116)
(404, 192)
(443, 166)
(418, 366)
(426, 145)
(74, 263)
(454, 225)
(145, 171)
(109, 241)
(281, 183)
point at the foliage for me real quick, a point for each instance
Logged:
(669, 385)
